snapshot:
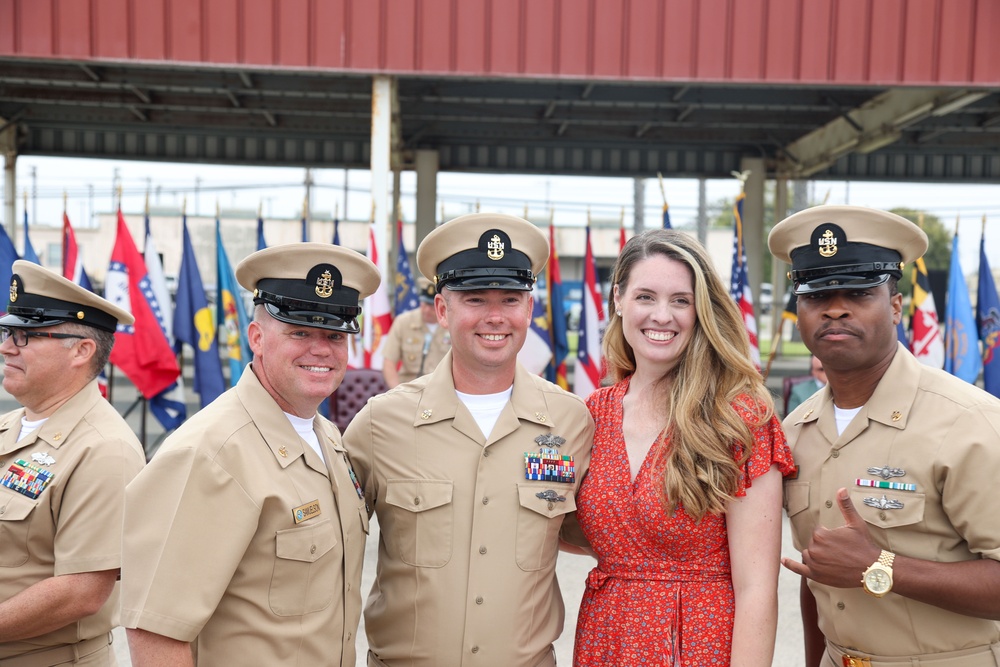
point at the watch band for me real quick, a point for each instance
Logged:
(886, 557)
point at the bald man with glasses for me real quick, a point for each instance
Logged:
(65, 458)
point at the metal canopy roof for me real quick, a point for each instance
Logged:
(322, 119)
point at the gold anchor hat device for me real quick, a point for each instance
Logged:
(310, 284)
(845, 247)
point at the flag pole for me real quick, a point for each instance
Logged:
(305, 219)
(218, 272)
(774, 346)
(142, 398)
(622, 236)
(64, 248)
(142, 423)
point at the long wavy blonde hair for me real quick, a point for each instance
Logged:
(705, 442)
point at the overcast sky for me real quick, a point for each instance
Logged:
(280, 193)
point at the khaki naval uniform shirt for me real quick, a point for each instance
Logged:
(932, 430)
(239, 538)
(405, 343)
(74, 524)
(467, 548)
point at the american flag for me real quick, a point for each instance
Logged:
(405, 293)
(739, 286)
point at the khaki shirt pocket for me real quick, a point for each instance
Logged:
(420, 520)
(305, 572)
(796, 497)
(15, 521)
(538, 524)
(886, 516)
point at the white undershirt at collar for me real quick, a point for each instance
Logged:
(844, 416)
(304, 427)
(29, 427)
(486, 408)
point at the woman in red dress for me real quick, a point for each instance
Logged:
(682, 503)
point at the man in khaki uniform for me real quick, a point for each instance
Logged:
(245, 534)
(416, 344)
(472, 469)
(65, 457)
(895, 507)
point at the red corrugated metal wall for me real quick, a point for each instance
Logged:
(844, 42)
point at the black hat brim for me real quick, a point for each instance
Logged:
(314, 318)
(9, 320)
(840, 282)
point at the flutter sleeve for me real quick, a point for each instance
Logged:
(769, 449)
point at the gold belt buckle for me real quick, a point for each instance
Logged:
(851, 661)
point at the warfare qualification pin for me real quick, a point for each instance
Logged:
(885, 472)
(883, 503)
(550, 440)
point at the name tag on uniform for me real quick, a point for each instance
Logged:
(305, 512)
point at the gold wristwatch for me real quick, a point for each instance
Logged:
(877, 579)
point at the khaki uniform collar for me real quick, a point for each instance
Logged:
(284, 443)
(439, 402)
(56, 428)
(416, 322)
(896, 391)
(889, 405)
(329, 435)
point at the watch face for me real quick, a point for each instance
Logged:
(878, 581)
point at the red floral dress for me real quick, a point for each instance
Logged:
(662, 591)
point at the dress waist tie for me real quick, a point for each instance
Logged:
(668, 571)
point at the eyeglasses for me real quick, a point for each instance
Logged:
(21, 336)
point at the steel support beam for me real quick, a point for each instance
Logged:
(881, 119)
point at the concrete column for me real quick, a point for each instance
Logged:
(639, 204)
(8, 146)
(778, 268)
(800, 195)
(702, 212)
(753, 223)
(383, 90)
(395, 215)
(427, 163)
